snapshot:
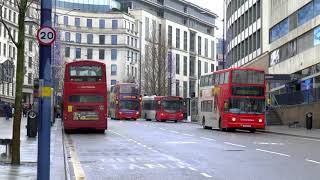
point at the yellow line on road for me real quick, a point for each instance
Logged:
(77, 169)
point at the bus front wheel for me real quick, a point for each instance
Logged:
(204, 124)
(220, 126)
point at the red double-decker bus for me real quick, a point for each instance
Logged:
(125, 101)
(85, 96)
(233, 99)
(162, 108)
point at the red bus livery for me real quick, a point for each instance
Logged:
(125, 101)
(233, 99)
(85, 96)
(162, 108)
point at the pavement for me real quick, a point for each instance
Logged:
(28, 153)
(141, 150)
(291, 131)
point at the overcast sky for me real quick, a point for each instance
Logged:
(215, 6)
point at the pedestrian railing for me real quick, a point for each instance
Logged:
(295, 98)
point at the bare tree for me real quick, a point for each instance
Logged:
(155, 67)
(23, 6)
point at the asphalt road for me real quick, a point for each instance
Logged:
(140, 150)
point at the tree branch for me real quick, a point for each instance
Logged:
(31, 2)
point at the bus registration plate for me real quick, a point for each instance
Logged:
(246, 125)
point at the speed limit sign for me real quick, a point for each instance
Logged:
(46, 35)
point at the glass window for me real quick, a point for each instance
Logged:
(86, 99)
(102, 24)
(102, 39)
(114, 24)
(226, 77)
(67, 36)
(89, 23)
(305, 14)
(316, 7)
(185, 40)
(177, 64)
(92, 71)
(89, 53)
(65, 20)
(170, 36)
(113, 54)
(77, 22)
(113, 82)
(199, 45)
(113, 69)
(206, 68)
(78, 53)
(221, 80)
(178, 38)
(185, 65)
(78, 38)
(89, 38)
(114, 39)
(67, 52)
(101, 54)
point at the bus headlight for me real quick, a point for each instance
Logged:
(233, 119)
(137, 113)
(260, 120)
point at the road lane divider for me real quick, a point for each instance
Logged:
(206, 175)
(313, 161)
(272, 152)
(209, 139)
(238, 145)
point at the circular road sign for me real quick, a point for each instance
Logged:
(46, 35)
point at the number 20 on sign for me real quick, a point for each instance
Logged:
(46, 35)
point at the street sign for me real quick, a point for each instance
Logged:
(46, 35)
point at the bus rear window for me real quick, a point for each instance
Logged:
(128, 89)
(85, 73)
(247, 77)
(86, 99)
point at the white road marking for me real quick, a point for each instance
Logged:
(271, 152)
(144, 146)
(238, 145)
(267, 143)
(180, 142)
(311, 139)
(162, 128)
(192, 169)
(313, 161)
(206, 175)
(139, 143)
(149, 148)
(175, 132)
(208, 139)
(187, 134)
(155, 151)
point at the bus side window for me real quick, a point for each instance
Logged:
(221, 81)
(213, 79)
(216, 79)
(210, 80)
(226, 77)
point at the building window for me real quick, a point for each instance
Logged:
(177, 64)
(170, 36)
(78, 53)
(29, 78)
(316, 7)
(89, 23)
(213, 49)
(114, 39)
(30, 46)
(206, 49)
(67, 36)
(206, 68)
(199, 45)
(192, 66)
(199, 68)
(177, 88)
(30, 29)
(212, 67)
(114, 54)
(279, 30)
(102, 24)
(192, 42)
(67, 52)
(178, 38)
(30, 62)
(185, 89)
(89, 53)
(305, 14)
(78, 38)
(147, 28)
(14, 17)
(113, 82)
(113, 69)
(185, 66)
(102, 39)
(114, 24)
(65, 20)
(90, 38)
(77, 22)
(101, 54)
(185, 40)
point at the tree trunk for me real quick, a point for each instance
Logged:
(19, 85)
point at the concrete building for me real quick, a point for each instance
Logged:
(189, 31)
(96, 32)
(247, 37)
(295, 43)
(8, 52)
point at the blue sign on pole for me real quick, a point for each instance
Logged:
(43, 166)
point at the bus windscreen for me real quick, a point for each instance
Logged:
(172, 105)
(246, 106)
